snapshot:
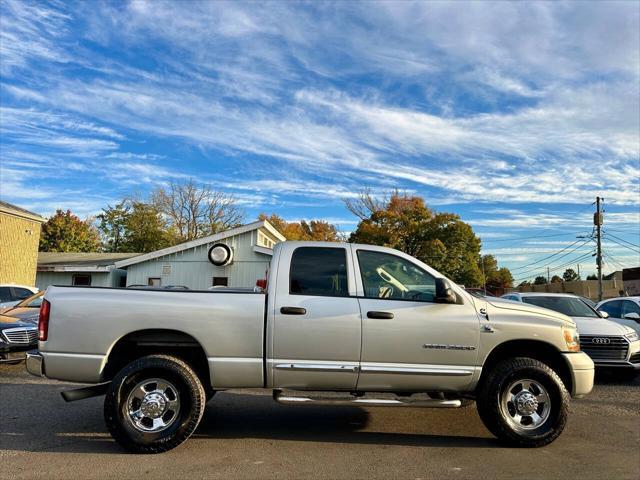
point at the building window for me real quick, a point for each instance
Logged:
(81, 280)
(166, 270)
(154, 282)
(222, 281)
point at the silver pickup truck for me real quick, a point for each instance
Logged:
(338, 323)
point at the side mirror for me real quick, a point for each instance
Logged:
(603, 314)
(632, 316)
(444, 292)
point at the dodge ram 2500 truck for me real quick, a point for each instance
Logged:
(371, 325)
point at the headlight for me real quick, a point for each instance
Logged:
(571, 338)
(632, 337)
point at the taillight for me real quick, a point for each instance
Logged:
(262, 283)
(43, 320)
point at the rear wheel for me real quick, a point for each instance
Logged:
(523, 402)
(154, 404)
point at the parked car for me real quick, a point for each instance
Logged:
(358, 321)
(624, 310)
(609, 344)
(10, 295)
(19, 329)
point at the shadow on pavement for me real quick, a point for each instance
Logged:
(48, 424)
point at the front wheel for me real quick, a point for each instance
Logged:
(523, 402)
(154, 404)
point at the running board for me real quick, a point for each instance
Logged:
(287, 399)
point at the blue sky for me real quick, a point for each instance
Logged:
(513, 115)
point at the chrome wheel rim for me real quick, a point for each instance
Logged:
(153, 405)
(525, 405)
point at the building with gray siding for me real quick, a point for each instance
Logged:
(188, 264)
(81, 269)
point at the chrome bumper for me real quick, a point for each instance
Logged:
(35, 364)
(582, 373)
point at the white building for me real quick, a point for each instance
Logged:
(188, 264)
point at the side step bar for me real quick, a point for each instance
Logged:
(287, 399)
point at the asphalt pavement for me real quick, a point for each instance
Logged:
(245, 434)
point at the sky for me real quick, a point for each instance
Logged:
(513, 115)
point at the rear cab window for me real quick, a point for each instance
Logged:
(320, 271)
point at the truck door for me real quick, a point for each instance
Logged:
(408, 341)
(316, 333)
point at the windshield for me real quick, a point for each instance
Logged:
(573, 307)
(33, 301)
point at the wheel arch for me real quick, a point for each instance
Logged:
(537, 349)
(140, 343)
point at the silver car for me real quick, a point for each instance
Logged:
(609, 344)
(624, 310)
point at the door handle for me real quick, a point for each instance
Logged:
(380, 315)
(293, 310)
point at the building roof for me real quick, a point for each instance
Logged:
(260, 224)
(10, 209)
(79, 262)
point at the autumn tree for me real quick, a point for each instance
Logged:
(556, 279)
(570, 275)
(65, 232)
(316, 230)
(404, 222)
(195, 211)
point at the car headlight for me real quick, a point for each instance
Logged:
(571, 338)
(632, 337)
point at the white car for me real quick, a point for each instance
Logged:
(609, 344)
(624, 310)
(11, 295)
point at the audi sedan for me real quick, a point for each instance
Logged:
(609, 344)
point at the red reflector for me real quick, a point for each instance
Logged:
(262, 283)
(43, 320)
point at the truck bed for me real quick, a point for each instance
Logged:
(229, 326)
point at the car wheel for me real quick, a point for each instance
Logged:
(154, 404)
(523, 403)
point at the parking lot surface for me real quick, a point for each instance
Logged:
(245, 434)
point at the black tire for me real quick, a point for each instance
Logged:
(182, 422)
(500, 417)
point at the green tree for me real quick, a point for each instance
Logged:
(496, 279)
(317, 230)
(570, 275)
(113, 226)
(65, 232)
(540, 280)
(556, 279)
(404, 222)
(145, 229)
(592, 277)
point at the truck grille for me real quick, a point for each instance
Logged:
(21, 336)
(601, 347)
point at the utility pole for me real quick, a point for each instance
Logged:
(598, 218)
(578, 270)
(548, 276)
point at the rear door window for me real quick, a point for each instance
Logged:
(5, 294)
(319, 271)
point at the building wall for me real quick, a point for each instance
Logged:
(584, 288)
(98, 279)
(19, 239)
(193, 269)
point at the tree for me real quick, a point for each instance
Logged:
(524, 283)
(113, 226)
(65, 232)
(146, 230)
(540, 280)
(318, 230)
(570, 275)
(592, 277)
(556, 279)
(195, 211)
(404, 222)
(496, 279)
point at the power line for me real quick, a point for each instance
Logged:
(620, 239)
(556, 268)
(526, 238)
(554, 254)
